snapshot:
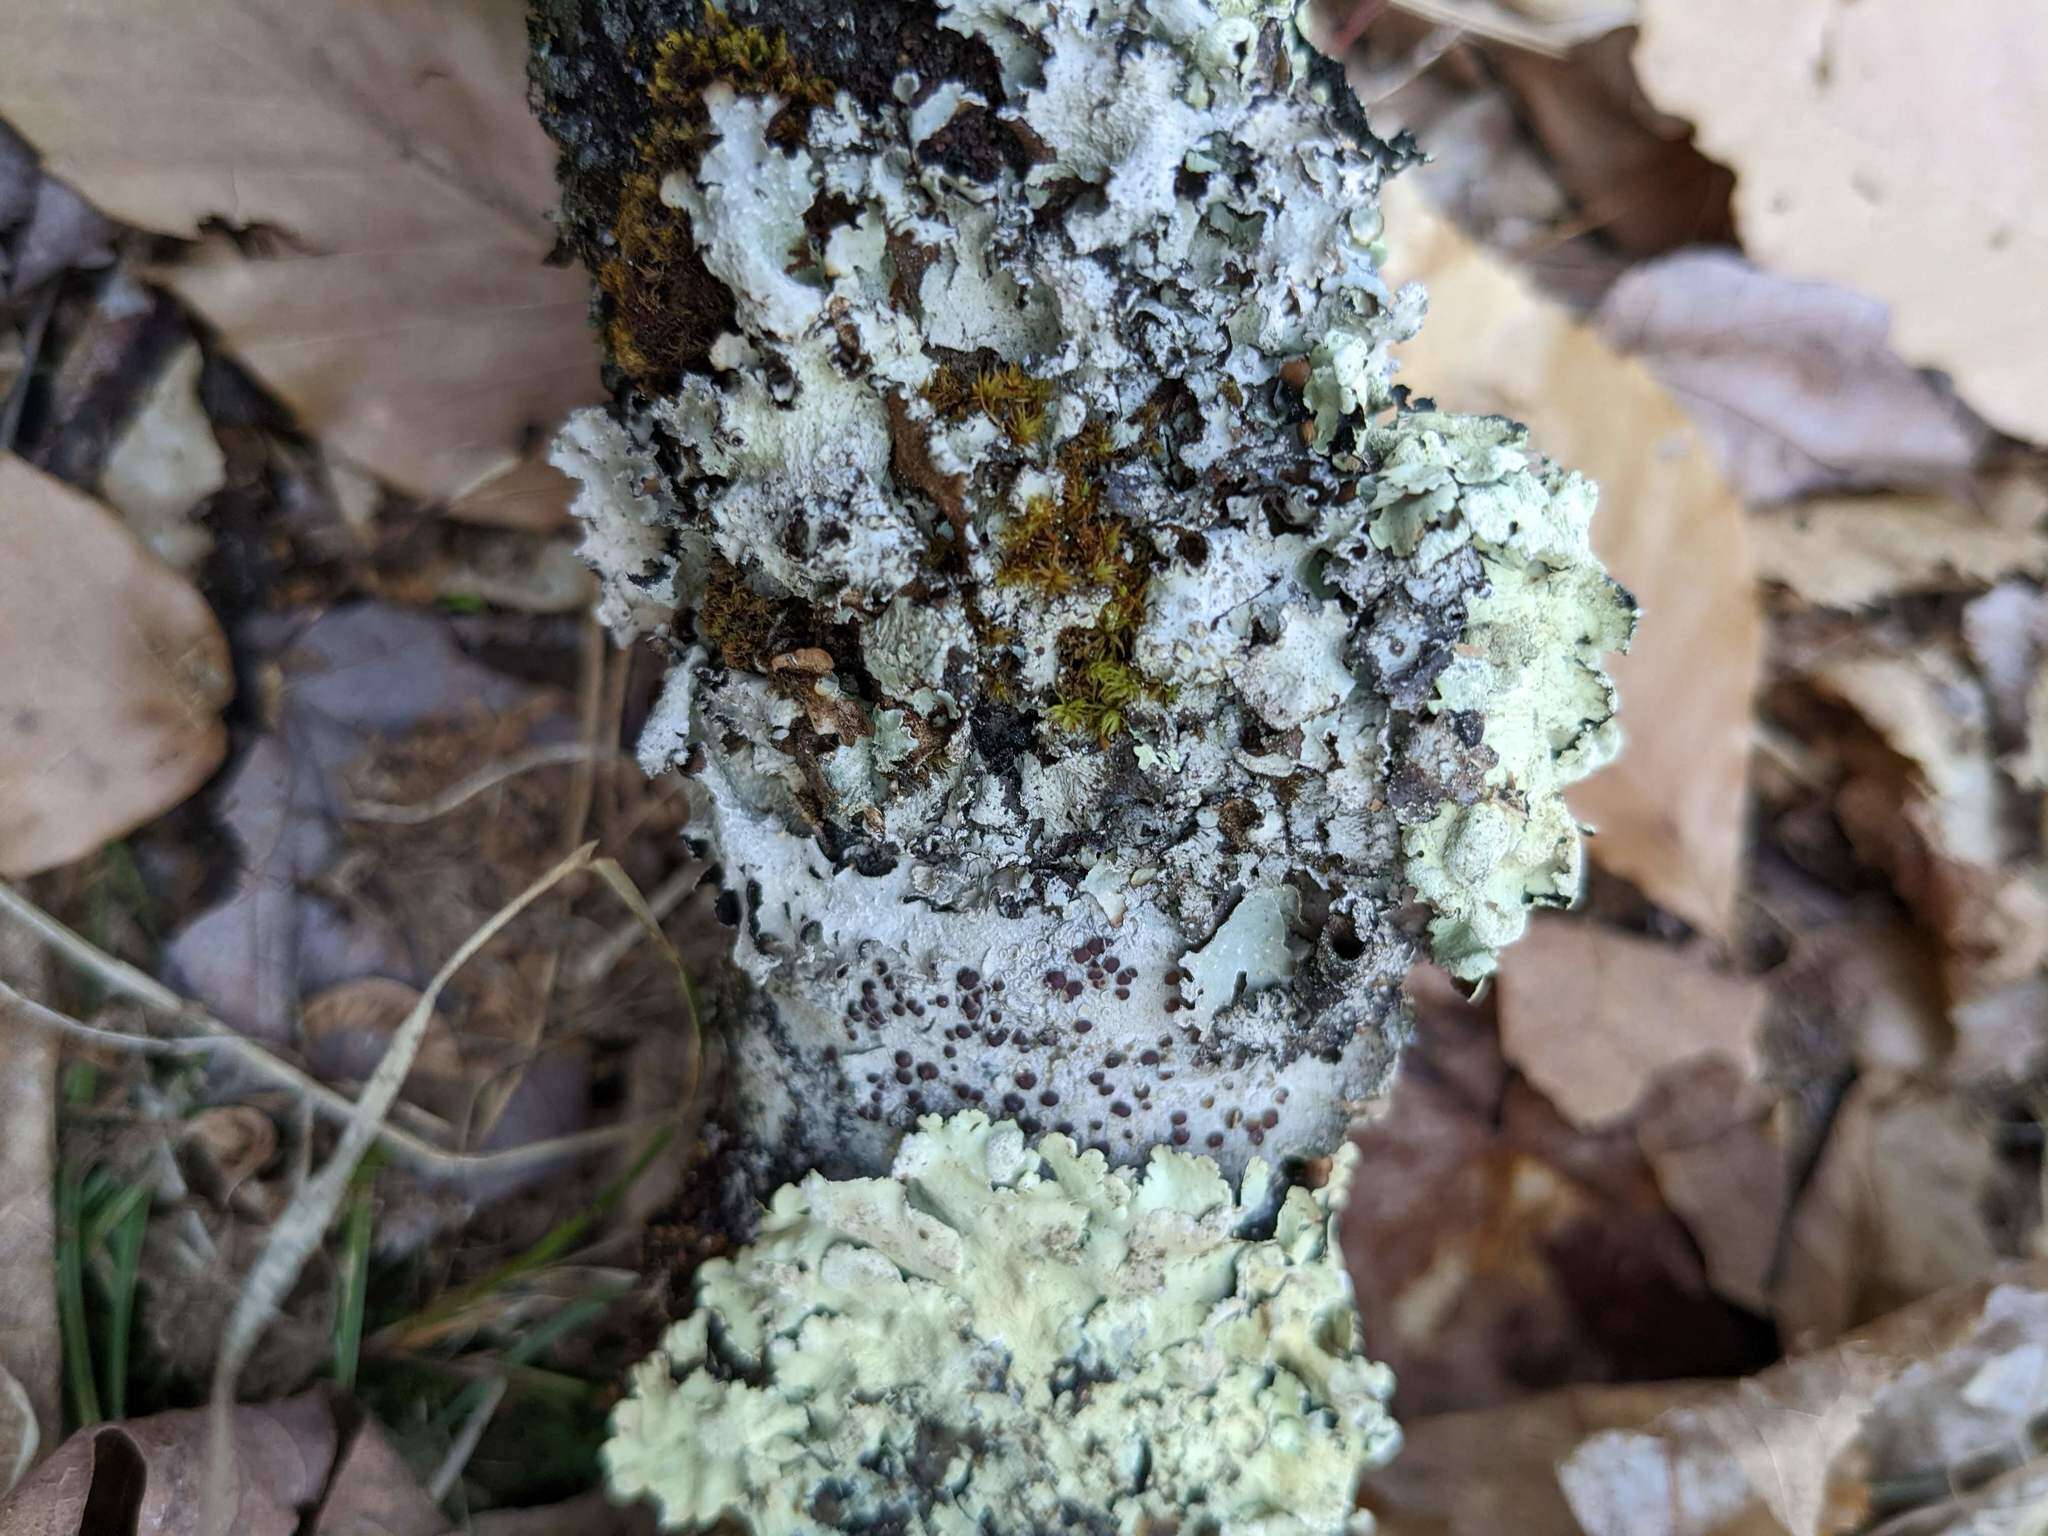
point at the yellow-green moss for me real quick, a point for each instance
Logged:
(666, 308)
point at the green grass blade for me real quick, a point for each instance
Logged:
(555, 1242)
(75, 1341)
(355, 1286)
(124, 1253)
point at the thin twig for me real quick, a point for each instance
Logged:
(549, 755)
(213, 1037)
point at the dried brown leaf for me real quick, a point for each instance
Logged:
(1632, 170)
(1708, 1134)
(1502, 1252)
(1889, 149)
(386, 153)
(1894, 1211)
(1796, 1450)
(145, 1476)
(1670, 812)
(1793, 380)
(30, 1407)
(118, 717)
(1850, 552)
(375, 1494)
(1593, 1016)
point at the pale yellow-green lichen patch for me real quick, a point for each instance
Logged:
(1005, 1337)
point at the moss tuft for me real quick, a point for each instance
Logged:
(665, 307)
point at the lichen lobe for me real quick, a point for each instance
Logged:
(1004, 1338)
(1086, 662)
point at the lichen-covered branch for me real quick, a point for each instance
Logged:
(1101, 683)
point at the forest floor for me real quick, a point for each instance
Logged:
(1720, 1210)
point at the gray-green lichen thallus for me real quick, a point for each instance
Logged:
(1086, 667)
(1098, 685)
(1011, 1337)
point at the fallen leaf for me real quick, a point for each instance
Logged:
(1631, 169)
(1890, 151)
(1592, 1016)
(1851, 552)
(31, 1415)
(1670, 811)
(1707, 1133)
(374, 1493)
(1494, 1470)
(120, 718)
(165, 463)
(1792, 379)
(386, 153)
(146, 1476)
(1797, 1450)
(1926, 803)
(1500, 1252)
(1894, 1211)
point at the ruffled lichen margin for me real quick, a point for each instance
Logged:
(1008, 1337)
(1098, 681)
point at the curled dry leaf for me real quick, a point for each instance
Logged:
(120, 717)
(146, 1476)
(1670, 811)
(386, 153)
(28, 1217)
(1794, 380)
(1593, 1016)
(1850, 552)
(1914, 173)
(227, 1148)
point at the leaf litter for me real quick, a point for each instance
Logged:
(1775, 1089)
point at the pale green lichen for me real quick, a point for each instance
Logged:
(1529, 662)
(1009, 1338)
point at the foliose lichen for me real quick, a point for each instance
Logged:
(1098, 681)
(1005, 1338)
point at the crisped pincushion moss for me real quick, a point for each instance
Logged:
(1005, 1338)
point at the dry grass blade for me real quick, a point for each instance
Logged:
(212, 1037)
(553, 754)
(603, 958)
(465, 1443)
(609, 871)
(303, 1225)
